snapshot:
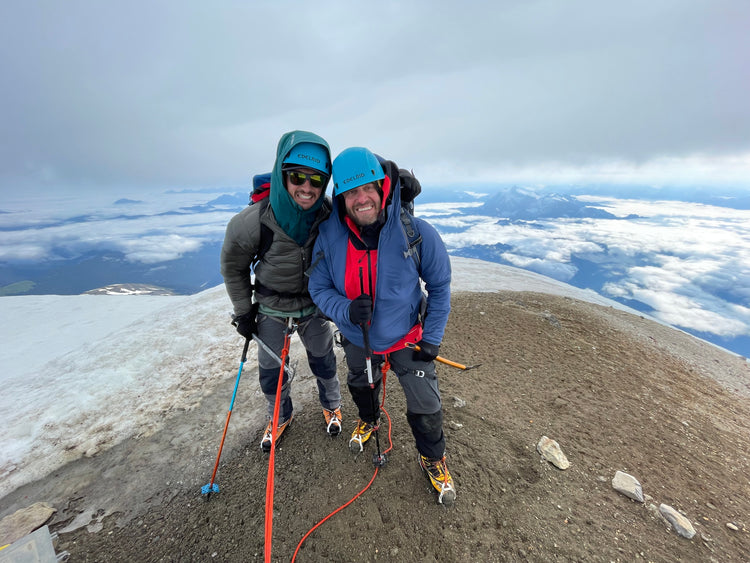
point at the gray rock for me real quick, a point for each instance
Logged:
(628, 486)
(680, 524)
(551, 451)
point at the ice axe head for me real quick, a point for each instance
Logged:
(444, 360)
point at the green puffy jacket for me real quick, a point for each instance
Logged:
(280, 275)
(281, 283)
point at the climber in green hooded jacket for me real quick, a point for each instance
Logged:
(273, 239)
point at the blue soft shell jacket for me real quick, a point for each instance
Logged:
(398, 293)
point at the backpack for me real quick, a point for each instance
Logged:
(261, 191)
(261, 187)
(410, 189)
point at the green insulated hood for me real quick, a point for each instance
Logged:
(295, 221)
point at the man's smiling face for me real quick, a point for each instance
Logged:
(363, 204)
(304, 195)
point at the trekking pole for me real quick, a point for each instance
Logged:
(443, 360)
(290, 328)
(213, 487)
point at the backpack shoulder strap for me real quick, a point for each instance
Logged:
(266, 234)
(414, 238)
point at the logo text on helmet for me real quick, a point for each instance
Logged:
(352, 178)
(308, 157)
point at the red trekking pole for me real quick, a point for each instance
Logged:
(290, 328)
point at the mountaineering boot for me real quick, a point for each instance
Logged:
(440, 478)
(265, 443)
(361, 434)
(333, 421)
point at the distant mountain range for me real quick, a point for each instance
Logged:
(107, 270)
(519, 204)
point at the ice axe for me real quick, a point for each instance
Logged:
(379, 458)
(443, 360)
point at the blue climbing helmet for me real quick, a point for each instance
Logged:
(309, 155)
(355, 167)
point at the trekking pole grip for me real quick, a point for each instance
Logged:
(244, 350)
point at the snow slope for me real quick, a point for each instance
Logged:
(81, 374)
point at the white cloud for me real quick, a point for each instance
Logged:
(684, 292)
(678, 258)
(22, 251)
(146, 234)
(155, 249)
(684, 311)
(622, 207)
(553, 269)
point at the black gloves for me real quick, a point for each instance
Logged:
(246, 324)
(360, 309)
(427, 352)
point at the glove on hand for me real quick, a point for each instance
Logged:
(247, 324)
(427, 352)
(360, 309)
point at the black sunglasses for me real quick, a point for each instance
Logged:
(316, 180)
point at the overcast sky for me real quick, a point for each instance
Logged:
(163, 94)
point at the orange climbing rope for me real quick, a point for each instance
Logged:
(384, 368)
(272, 457)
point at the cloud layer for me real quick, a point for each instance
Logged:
(689, 262)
